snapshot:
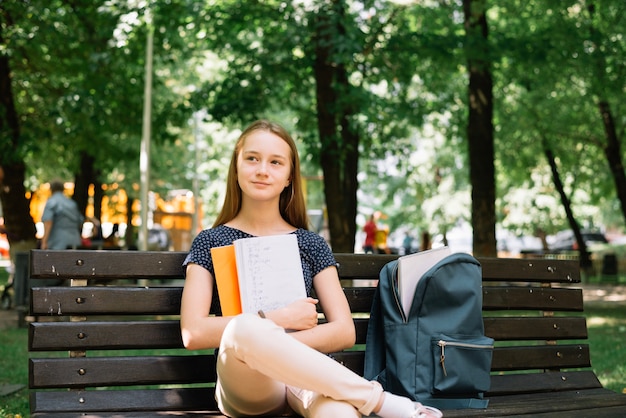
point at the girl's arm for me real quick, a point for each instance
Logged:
(338, 332)
(198, 329)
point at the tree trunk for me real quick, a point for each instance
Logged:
(83, 180)
(613, 154)
(480, 129)
(16, 208)
(19, 223)
(585, 260)
(98, 194)
(340, 143)
(129, 237)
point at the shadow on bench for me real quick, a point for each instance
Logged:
(118, 320)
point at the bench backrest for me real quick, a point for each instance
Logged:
(120, 327)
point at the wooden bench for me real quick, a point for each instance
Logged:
(118, 320)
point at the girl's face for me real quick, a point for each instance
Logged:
(263, 166)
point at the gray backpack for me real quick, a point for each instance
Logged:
(439, 354)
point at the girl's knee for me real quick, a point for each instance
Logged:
(315, 405)
(324, 407)
(246, 330)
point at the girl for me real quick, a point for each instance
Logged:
(262, 369)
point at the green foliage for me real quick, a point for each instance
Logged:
(551, 85)
(78, 85)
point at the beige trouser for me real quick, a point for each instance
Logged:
(262, 370)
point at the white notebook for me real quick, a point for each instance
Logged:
(411, 268)
(269, 272)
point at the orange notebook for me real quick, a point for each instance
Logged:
(225, 266)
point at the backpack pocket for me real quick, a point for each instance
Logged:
(462, 364)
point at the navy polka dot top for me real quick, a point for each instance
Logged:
(315, 254)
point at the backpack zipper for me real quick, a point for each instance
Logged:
(394, 290)
(443, 345)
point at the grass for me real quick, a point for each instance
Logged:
(607, 332)
(14, 370)
(606, 323)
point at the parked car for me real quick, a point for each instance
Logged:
(566, 241)
(511, 245)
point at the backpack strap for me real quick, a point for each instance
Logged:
(375, 355)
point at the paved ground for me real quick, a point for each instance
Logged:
(8, 319)
(593, 294)
(604, 293)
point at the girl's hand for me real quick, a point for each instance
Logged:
(297, 316)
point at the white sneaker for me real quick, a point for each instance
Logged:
(423, 411)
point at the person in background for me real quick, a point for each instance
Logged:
(426, 244)
(380, 240)
(370, 233)
(95, 239)
(62, 221)
(262, 369)
(407, 243)
(112, 240)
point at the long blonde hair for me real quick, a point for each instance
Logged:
(291, 205)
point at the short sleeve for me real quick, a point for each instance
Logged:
(315, 253)
(200, 251)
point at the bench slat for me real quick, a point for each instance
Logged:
(150, 334)
(540, 357)
(598, 409)
(93, 300)
(581, 400)
(127, 300)
(539, 298)
(45, 336)
(134, 414)
(573, 404)
(561, 404)
(167, 265)
(120, 335)
(139, 370)
(154, 264)
(123, 371)
(366, 267)
(588, 397)
(543, 328)
(494, 269)
(531, 270)
(194, 399)
(540, 382)
(85, 264)
(360, 299)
